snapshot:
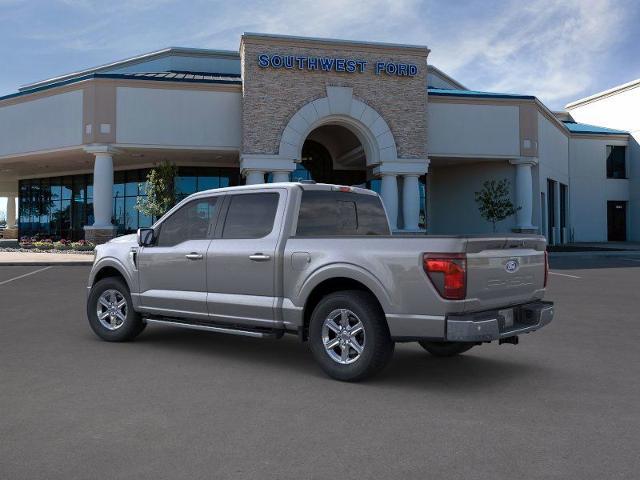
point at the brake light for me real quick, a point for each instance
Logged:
(448, 274)
(337, 188)
(546, 268)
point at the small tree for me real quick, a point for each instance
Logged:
(494, 201)
(160, 190)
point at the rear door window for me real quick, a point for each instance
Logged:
(250, 215)
(329, 213)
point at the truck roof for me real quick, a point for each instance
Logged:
(304, 185)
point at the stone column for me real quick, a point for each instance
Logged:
(102, 229)
(280, 176)
(411, 202)
(11, 211)
(524, 193)
(389, 194)
(254, 177)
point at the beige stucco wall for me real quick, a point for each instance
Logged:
(45, 123)
(178, 117)
(272, 96)
(473, 129)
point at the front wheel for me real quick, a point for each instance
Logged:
(110, 311)
(446, 349)
(349, 336)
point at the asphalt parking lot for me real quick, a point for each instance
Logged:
(174, 404)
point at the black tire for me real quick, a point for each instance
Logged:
(132, 324)
(446, 349)
(378, 346)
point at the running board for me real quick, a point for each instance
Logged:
(212, 328)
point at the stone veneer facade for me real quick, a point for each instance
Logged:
(272, 96)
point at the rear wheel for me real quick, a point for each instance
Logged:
(110, 311)
(446, 349)
(349, 336)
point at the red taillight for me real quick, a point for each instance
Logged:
(448, 274)
(546, 268)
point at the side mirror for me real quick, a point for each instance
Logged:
(146, 237)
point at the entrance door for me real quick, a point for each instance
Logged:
(172, 273)
(617, 221)
(242, 259)
(551, 210)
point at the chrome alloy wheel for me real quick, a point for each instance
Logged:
(112, 309)
(343, 336)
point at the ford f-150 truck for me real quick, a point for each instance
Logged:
(318, 261)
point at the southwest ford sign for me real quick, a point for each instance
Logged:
(333, 64)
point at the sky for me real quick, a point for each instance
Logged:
(557, 50)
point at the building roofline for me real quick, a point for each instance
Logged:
(448, 78)
(132, 61)
(445, 92)
(423, 49)
(120, 76)
(605, 93)
(588, 129)
(562, 125)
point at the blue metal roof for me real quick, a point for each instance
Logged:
(575, 127)
(188, 77)
(444, 92)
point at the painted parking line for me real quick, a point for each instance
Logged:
(25, 275)
(564, 275)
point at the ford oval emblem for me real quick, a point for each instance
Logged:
(511, 266)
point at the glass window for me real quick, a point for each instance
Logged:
(131, 214)
(251, 215)
(185, 185)
(616, 167)
(328, 213)
(66, 188)
(118, 184)
(56, 189)
(207, 183)
(190, 222)
(131, 184)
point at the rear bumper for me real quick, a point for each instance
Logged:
(490, 325)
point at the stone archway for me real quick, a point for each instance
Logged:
(339, 107)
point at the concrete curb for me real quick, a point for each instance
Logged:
(595, 253)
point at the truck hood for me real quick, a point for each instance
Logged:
(130, 238)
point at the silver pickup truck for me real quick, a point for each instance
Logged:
(318, 261)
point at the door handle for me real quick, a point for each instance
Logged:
(194, 256)
(260, 257)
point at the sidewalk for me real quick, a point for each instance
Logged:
(604, 249)
(38, 259)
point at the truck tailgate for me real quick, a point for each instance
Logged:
(503, 271)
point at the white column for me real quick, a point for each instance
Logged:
(411, 202)
(280, 176)
(11, 212)
(524, 193)
(254, 177)
(389, 194)
(103, 189)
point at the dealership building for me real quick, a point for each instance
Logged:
(75, 150)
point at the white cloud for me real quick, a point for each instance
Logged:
(547, 48)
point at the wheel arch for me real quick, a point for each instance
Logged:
(335, 280)
(111, 268)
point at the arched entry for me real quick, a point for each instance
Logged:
(337, 120)
(333, 154)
